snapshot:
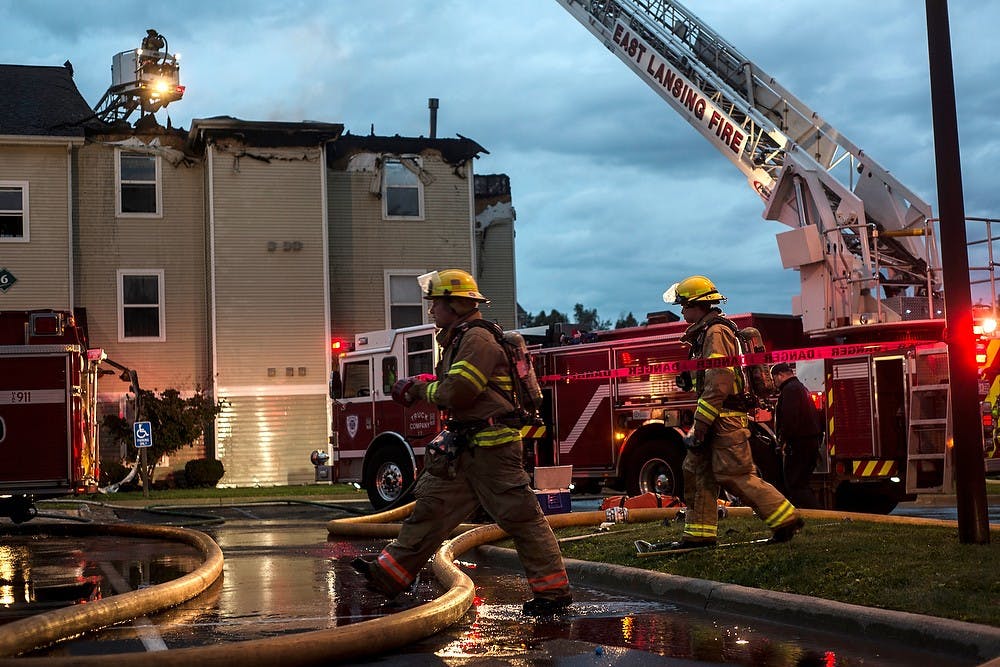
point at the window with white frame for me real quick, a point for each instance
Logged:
(140, 306)
(404, 307)
(402, 191)
(138, 176)
(13, 210)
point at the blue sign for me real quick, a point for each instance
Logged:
(143, 432)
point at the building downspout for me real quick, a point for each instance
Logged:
(69, 223)
(211, 290)
(328, 356)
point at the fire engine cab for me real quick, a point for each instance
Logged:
(48, 399)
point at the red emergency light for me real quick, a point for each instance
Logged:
(339, 346)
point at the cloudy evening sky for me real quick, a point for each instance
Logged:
(616, 195)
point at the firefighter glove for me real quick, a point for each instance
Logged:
(400, 391)
(698, 435)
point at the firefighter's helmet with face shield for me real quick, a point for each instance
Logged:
(693, 289)
(450, 283)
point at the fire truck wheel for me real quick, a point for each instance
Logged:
(655, 466)
(390, 475)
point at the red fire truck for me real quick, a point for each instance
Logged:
(866, 338)
(48, 398)
(612, 410)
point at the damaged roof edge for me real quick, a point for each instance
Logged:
(263, 133)
(454, 151)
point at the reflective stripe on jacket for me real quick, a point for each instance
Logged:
(465, 373)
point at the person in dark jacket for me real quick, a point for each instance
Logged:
(799, 429)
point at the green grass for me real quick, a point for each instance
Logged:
(920, 569)
(167, 495)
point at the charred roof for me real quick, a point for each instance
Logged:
(271, 134)
(453, 151)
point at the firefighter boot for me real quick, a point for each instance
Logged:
(368, 567)
(546, 606)
(787, 531)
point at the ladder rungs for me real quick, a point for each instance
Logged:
(925, 457)
(929, 422)
(929, 387)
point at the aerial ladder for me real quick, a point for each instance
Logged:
(861, 240)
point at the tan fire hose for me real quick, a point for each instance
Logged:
(307, 648)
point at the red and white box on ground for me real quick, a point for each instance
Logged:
(552, 488)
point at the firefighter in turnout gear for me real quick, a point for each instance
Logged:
(476, 461)
(719, 447)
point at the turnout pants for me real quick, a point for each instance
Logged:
(801, 456)
(494, 478)
(725, 460)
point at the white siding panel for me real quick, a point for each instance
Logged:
(270, 322)
(266, 440)
(269, 271)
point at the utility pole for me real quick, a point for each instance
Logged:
(970, 470)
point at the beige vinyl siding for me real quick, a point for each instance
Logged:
(269, 314)
(42, 265)
(363, 245)
(266, 440)
(174, 243)
(270, 310)
(496, 270)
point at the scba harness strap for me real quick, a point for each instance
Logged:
(518, 416)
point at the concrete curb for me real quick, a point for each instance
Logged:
(965, 640)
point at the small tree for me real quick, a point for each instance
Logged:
(625, 321)
(176, 422)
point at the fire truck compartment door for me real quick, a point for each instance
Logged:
(852, 430)
(583, 409)
(36, 445)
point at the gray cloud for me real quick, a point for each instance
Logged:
(616, 195)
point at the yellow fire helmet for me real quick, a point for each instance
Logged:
(693, 289)
(450, 282)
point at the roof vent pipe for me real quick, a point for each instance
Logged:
(432, 104)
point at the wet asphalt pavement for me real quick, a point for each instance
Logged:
(282, 575)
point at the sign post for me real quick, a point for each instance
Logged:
(143, 434)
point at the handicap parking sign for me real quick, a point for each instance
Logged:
(143, 432)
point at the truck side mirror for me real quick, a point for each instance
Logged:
(336, 388)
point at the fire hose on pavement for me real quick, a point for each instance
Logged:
(315, 647)
(307, 648)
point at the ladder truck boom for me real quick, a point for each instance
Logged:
(861, 240)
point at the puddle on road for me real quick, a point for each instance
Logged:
(40, 572)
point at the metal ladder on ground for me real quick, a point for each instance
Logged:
(928, 454)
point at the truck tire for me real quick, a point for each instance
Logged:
(655, 465)
(389, 477)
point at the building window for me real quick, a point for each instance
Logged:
(13, 211)
(138, 177)
(140, 306)
(404, 305)
(402, 191)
